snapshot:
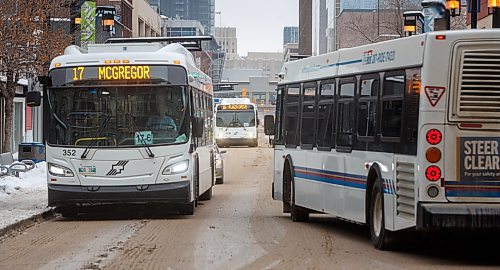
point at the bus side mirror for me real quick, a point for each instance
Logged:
(33, 99)
(269, 124)
(44, 80)
(198, 123)
(258, 122)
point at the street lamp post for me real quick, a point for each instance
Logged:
(495, 6)
(453, 9)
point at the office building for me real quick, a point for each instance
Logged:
(290, 35)
(200, 10)
(226, 38)
(305, 27)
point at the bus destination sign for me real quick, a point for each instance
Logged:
(235, 107)
(175, 75)
(112, 73)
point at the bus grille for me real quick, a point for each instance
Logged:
(405, 190)
(479, 84)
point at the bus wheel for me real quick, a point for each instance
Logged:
(381, 237)
(207, 195)
(188, 209)
(196, 182)
(219, 181)
(68, 212)
(255, 143)
(297, 213)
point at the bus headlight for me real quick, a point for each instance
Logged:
(57, 170)
(250, 135)
(176, 168)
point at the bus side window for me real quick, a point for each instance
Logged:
(392, 105)
(278, 138)
(346, 113)
(308, 115)
(325, 127)
(367, 107)
(292, 101)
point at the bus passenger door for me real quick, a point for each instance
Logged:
(279, 147)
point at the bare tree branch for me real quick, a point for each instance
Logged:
(27, 43)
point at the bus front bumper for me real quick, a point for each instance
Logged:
(235, 141)
(60, 195)
(455, 215)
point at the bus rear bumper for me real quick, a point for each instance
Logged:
(454, 215)
(62, 195)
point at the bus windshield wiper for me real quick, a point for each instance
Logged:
(136, 129)
(95, 139)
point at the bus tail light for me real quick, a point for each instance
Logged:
(433, 155)
(433, 173)
(434, 136)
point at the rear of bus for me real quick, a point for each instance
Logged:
(459, 136)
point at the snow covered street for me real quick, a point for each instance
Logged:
(23, 197)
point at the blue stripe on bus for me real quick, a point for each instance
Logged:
(473, 193)
(339, 178)
(472, 183)
(487, 189)
(331, 177)
(360, 177)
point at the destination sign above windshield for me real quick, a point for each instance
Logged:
(81, 74)
(235, 107)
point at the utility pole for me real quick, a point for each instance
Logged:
(495, 5)
(473, 14)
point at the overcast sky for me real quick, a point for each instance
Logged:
(259, 23)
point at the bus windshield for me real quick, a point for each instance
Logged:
(235, 119)
(118, 116)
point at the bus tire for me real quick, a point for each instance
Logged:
(255, 143)
(68, 212)
(297, 213)
(188, 209)
(219, 181)
(380, 236)
(196, 182)
(207, 195)
(287, 193)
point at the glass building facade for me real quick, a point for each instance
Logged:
(200, 10)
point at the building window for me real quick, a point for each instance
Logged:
(259, 98)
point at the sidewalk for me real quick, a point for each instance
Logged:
(24, 197)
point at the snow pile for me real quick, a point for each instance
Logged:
(33, 180)
(23, 197)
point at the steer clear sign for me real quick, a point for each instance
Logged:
(479, 158)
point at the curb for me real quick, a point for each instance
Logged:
(26, 223)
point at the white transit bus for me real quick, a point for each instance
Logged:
(396, 135)
(236, 121)
(128, 123)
